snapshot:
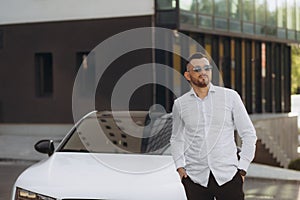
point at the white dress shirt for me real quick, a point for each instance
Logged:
(203, 135)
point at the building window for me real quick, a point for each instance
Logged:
(44, 74)
(188, 12)
(271, 14)
(281, 13)
(188, 5)
(221, 8)
(248, 10)
(165, 4)
(291, 14)
(205, 7)
(248, 16)
(298, 19)
(271, 19)
(260, 17)
(235, 15)
(234, 9)
(205, 12)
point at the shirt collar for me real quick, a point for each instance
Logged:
(211, 89)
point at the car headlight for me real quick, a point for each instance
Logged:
(22, 194)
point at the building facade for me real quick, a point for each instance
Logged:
(249, 40)
(42, 48)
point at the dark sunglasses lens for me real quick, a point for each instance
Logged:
(197, 69)
(207, 67)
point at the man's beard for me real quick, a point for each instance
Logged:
(201, 82)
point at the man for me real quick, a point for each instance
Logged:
(202, 142)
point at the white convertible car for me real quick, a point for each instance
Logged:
(106, 156)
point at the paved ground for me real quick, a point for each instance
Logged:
(259, 189)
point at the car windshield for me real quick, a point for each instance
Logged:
(135, 132)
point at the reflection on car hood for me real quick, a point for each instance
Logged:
(104, 176)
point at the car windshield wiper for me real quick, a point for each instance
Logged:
(74, 150)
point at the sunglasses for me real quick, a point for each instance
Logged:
(199, 69)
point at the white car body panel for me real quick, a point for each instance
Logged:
(104, 176)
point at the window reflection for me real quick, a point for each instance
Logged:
(248, 28)
(260, 29)
(205, 7)
(221, 23)
(188, 18)
(291, 14)
(221, 8)
(271, 14)
(189, 5)
(280, 18)
(248, 10)
(260, 8)
(281, 13)
(260, 17)
(165, 4)
(298, 15)
(271, 19)
(281, 33)
(205, 21)
(234, 9)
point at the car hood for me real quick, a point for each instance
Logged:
(103, 176)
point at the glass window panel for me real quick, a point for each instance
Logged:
(165, 4)
(235, 26)
(281, 13)
(221, 8)
(271, 13)
(248, 10)
(205, 7)
(189, 5)
(291, 14)
(188, 18)
(234, 9)
(271, 30)
(248, 28)
(260, 10)
(205, 21)
(298, 15)
(166, 17)
(281, 33)
(221, 23)
(291, 35)
(298, 35)
(260, 29)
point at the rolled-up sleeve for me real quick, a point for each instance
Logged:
(246, 131)
(177, 137)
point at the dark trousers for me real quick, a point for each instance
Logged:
(232, 190)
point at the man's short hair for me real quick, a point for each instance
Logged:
(197, 55)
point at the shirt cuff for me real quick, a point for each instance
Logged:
(179, 163)
(243, 164)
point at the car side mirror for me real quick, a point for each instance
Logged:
(45, 146)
